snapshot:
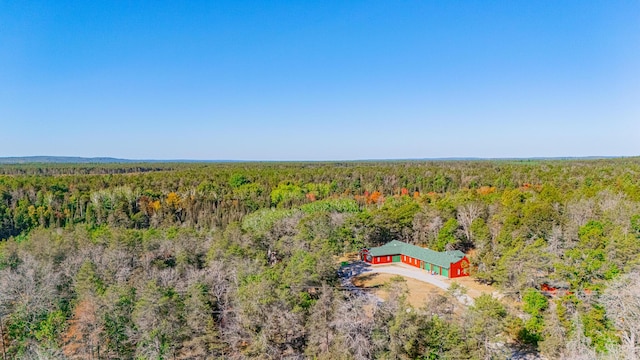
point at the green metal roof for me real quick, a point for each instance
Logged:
(455, 253)
(395, 247)
(391, 248)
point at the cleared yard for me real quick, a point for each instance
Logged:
(421, 284)
(474, 288)
(419, 291)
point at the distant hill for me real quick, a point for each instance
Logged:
(88, 160)
(60, 159)
(110, 160)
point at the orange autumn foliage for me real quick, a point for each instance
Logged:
(82, 338)
(528, 186)
(375, 198)
(486, 190)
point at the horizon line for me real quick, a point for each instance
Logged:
(107, 159)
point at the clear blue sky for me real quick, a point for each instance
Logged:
(314, 80)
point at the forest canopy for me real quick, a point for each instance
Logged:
(241, 260)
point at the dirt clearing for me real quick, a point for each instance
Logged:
(418, 294)
(474, 288)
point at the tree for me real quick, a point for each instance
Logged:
(2, 338)
(237, 180)
(157, 318)
(485, 323)
(83, 338)
(203, 338)
(440, 339)
(553, 334)
(622, 303)
(354, 330)
(467, 214)
(579, 346)
(447, 239)
(28, 293)
(87, 282)
(117, 323)
(321, 327)
(534, 304)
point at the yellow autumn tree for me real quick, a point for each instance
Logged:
(174, 200)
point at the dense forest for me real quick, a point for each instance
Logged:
(241, 260)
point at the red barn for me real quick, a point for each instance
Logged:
(451, 264)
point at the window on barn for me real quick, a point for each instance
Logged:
(388, 258)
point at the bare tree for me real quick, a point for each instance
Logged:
(555, 243)
(426, 225)
(31, 286)
(579, 347)
(354, 327)
(579, 213)
(200, 321)
(622, 301)
(158, 322)
(609, 201)
(466, 215)
(319, 326)
(2, 343)
(35, 351)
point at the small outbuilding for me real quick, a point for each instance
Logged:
(451, 264)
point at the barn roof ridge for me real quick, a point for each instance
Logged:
(396, 247)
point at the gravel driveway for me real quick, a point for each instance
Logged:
(411, 272)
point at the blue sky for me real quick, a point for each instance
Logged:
(319, 80)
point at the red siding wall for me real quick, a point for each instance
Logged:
(458, 269)
(411, 261)
(382, 259)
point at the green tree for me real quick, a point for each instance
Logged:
(534, 304)
(447, 235)
(237, 180)
(485, 323)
